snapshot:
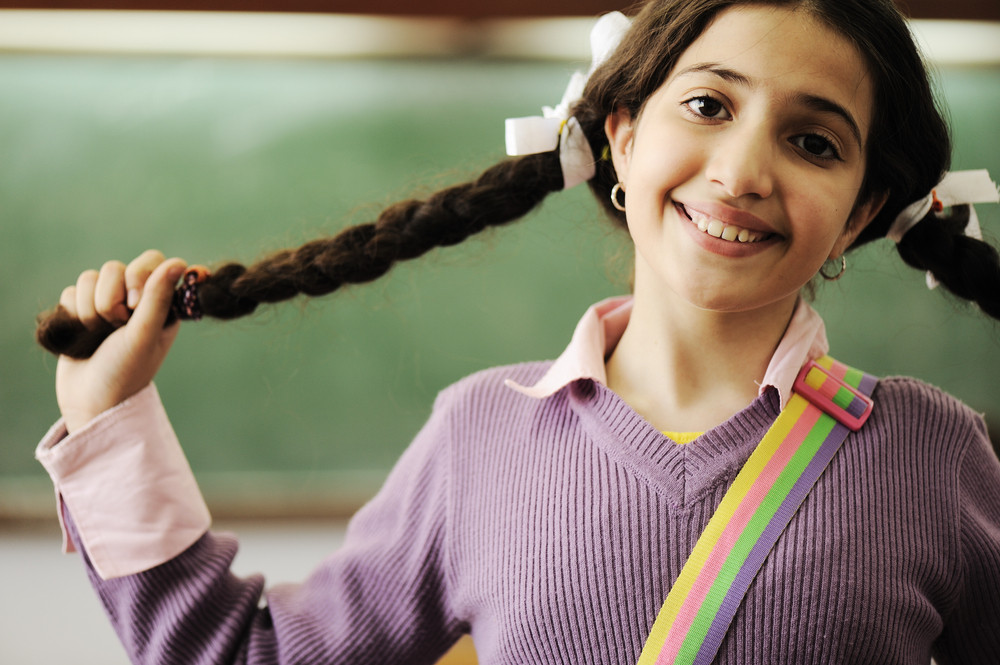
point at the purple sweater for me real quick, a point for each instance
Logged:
(552, 530)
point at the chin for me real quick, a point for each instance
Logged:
(729, 302)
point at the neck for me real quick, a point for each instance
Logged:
(688, 369)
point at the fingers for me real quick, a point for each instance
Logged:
(109, 294)
(67, 299)
(157, 297)
(86, 310)
(137, 272)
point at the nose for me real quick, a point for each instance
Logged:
(742, 161)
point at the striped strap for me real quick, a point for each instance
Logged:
(828, 401)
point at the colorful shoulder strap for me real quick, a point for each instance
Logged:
(829, 400)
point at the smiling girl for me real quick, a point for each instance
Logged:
(741, 175)
(573, 511)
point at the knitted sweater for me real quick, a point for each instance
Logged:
(552, 530)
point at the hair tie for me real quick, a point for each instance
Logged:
(936, 204)
(186, 305)
(955, 188)
(556, 129)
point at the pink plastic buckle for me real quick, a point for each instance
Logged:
(825, 403)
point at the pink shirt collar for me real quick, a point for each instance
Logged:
(602, 326)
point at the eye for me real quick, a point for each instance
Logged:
(816, 145)
(707, 107)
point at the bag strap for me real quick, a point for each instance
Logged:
(829, 400)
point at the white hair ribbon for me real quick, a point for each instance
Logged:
(555, 128)
(956, 188)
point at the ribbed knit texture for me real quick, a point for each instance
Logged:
(552, 530)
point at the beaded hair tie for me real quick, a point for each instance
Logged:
(186, 305)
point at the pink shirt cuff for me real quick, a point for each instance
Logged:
(125, 480)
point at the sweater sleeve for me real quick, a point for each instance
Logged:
(972, 630)
(382, 597)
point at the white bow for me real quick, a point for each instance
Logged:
(545, 133)
(955, 188)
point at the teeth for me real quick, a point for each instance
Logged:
(717, 229)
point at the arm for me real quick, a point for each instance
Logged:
(972, 629)
(109, 391)
(383, 598)
(130, 357)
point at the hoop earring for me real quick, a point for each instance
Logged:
(834, 278)
(614, 197)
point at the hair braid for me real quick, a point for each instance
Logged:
(503, 193)
(967, 267)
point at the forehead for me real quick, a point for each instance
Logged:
(784, 51)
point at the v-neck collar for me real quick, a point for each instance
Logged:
(684, 474)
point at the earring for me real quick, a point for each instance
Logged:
(614, 197)
(834, 278)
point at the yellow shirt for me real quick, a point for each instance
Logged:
(682, 437)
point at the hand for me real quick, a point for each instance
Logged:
(135, 300)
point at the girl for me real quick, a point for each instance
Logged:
(549, 508)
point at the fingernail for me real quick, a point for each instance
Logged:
(132, 298)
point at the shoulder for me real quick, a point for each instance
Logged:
(489, 387)
(917, 411)
(487, 423)
(913, 397)
(473, 410)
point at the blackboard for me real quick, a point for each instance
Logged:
(213, 159)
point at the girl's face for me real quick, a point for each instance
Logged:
(741, 173)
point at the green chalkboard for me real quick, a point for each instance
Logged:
(213, 159)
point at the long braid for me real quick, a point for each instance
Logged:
(906, 155)
(503, 193)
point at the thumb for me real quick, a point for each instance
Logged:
(157, 296)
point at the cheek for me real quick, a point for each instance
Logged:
(664, 158)
(820, 216)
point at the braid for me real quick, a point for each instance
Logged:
(503, 193)
(967, 267)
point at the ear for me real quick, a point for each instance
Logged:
(859, 220)
(619, 127)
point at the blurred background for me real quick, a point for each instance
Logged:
(218, 135)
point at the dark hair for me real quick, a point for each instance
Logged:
(908, 151)
(358, 254)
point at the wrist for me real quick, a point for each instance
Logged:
(78, 416)
(77, 420)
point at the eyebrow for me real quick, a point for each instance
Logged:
(814, 102)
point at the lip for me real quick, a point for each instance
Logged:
(727, 215)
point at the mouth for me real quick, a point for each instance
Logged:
(722, 230)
